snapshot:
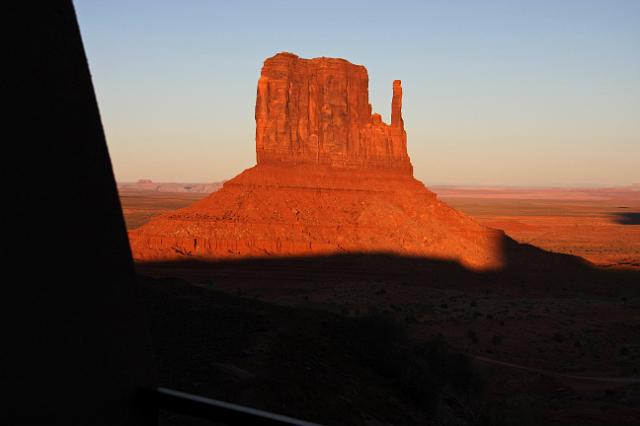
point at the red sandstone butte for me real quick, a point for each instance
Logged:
(317, 111)
(331, 177)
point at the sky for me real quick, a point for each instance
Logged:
(516, 93)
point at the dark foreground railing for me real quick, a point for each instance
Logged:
(214, 410)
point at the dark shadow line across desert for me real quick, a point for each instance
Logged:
(526, 269)
(626, 218)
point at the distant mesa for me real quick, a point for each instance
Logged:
(331, 177)
(149, 185)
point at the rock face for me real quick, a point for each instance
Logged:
(331, 177)
(317, 111)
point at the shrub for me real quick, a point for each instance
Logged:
(380, 342)
(513, 411)
(473, 336)
(410, 318)
(440, 382)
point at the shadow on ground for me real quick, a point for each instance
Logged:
(308, 363)
(214, 336)
(626, 218)
(527, 270)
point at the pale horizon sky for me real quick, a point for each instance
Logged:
(517, 93)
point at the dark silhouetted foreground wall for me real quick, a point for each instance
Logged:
(76, 345)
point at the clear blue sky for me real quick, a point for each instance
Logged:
(495, 92)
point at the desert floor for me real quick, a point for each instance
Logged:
(553, 348)
(600, 225)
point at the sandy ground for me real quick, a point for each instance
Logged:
(539, 340)
(537, 332)
(140, 206)
(600, 225)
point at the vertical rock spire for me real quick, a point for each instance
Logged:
(396, 105)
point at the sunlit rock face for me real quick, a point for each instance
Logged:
(317, 111)
(331, 177)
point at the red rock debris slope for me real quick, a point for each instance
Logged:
(331, 177)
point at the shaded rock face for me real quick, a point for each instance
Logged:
(317, 111)
(331, 177)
